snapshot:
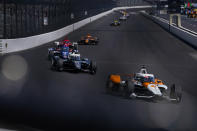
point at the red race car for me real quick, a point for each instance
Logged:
(68, 43)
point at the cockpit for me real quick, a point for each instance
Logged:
(65, 49)
(75, 57)
(88, 36)
(148, 79)
(65, 52)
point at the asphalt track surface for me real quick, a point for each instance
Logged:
(32, 95)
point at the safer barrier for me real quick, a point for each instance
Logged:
(14, 45)
(181, 32)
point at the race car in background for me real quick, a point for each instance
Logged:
(115, 23)
(127, 15)
(143, 85)
(124, 13)
(59, 46)
(88, 40)
(192, 13)
(67, 43)
(121, 11)
(72, 61)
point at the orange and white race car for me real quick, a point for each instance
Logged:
(142, 85)
(88, 40)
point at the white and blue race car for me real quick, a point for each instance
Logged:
(72, 61)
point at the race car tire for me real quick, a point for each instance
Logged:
(50, 55)
(109, 86)
(93, 68)
(60, 65)
(176, 93)
(52, 63)
(91, 42)
(81, 42)
(128, 89)
(94, 43)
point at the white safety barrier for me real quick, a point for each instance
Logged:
(14, 45)
(183, 33)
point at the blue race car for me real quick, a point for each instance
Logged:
(58, 47)
(72, 61)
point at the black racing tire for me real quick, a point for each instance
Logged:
(52, 64)
(109, 86)
(81, 42)
(93, 68)
(176, 93)
(93, 43)
(49, 55)
(128, 89)
(60, 63)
